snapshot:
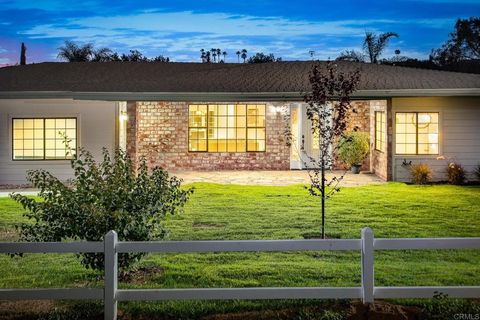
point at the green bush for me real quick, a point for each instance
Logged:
(455, 173)
(420, 173)
(103, 196)
(353, 147)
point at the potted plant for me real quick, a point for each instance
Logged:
(353, 148)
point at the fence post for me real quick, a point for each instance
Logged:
(367, 265)
(111, 268)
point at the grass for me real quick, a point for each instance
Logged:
(217, 212)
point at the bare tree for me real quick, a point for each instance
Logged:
(327, 105)
(73, 52)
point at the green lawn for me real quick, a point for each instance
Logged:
(254, 212)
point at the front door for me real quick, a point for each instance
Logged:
(305, 143)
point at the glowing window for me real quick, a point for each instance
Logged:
(380, 131)
(416, 133)
(226, 128)
(43, 138)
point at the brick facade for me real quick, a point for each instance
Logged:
(158, 131)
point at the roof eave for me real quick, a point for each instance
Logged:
(227, 96)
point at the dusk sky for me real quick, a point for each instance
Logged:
(179, 29)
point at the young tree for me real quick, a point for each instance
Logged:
(102, 196)
(23, 55)
(327, 106)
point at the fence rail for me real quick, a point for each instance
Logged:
(111, 247)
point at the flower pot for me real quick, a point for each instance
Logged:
(356, 168)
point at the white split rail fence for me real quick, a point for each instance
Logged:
(111, 247)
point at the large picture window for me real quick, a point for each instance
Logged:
(43, 138)
(380, 131)
(416, 133)
(226, 128)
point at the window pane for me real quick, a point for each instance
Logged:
(261, 121)
(241, 146)
(202, 145)
(17, 124)
(212, 146)
(241, 109)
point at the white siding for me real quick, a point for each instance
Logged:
(96, 123)
(459, 134)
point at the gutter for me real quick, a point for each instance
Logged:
(229, 96)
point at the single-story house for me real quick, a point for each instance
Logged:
(192, 116)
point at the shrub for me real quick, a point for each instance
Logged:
(353, 147)
(455, 173)
(477, 172)
(420, 173)
(109, 195)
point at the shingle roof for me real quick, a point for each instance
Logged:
(208, 78)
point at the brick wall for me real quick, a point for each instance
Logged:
(158, 131)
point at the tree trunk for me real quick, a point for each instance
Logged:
(323, 196)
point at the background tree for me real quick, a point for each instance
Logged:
(328, 103)
(224, 53)
(23, 54)
(101, 55)
(260, 57)
(214, 54)
(73, 52)
(375, 44)
(351, 55)
(244, 54)
(463, 44)
(238, 53)
(134, 56)
(373, 47)
(160, 58)
(102, 196)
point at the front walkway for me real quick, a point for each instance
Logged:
(272, 178)
(259, 178)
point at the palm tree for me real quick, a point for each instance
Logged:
(244, 54)
(202, 55)
(224, 53)
(238, 56)
(219, 52)
(373, 45)
(214, 54)
(73, 52)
